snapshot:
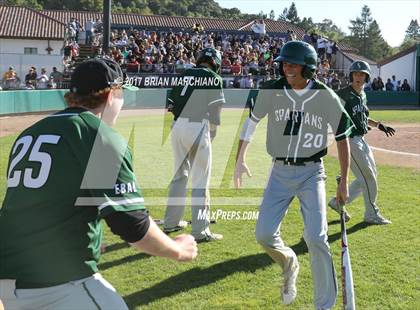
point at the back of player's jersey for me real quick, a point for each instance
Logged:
(197, 89)
(45, 172)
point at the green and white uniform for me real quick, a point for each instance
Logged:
(195, 105)
(58, 191)
(297, 130)
(362, 161)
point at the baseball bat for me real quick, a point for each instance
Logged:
(346, 271)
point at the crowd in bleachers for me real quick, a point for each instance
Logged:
(244, 54)
(247, 58)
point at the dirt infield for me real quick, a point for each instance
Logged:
(401, 150)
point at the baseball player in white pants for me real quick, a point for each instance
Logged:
(300, 110)
(362, 162)
(191, 147)
(196, 107)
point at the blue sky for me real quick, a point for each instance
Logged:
(392, 16)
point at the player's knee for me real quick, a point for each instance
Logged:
(316, 240)
(370, 177)
(263, 236)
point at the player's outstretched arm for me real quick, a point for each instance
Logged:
(138, 229)
(241, 166)
(344, 157)
(183, 248)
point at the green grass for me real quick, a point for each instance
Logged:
(412, 116)
(236, 273)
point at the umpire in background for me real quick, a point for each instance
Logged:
(50, 221)
(362, 162)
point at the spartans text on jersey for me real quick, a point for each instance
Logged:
(298, 116)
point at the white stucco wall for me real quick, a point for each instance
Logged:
(12, 54)
(403, 68)
(343, 64)
(16, 46)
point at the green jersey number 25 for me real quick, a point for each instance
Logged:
(14, 177)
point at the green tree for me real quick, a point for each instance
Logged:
(407, 43)
(412, 35)
(283, 16)
(367, 38)
(413, 31)
(307, 24)
(233, 13)
(272, 15)
(359, 28)
(261, 15)
(34, 4)
(376, 47)
(292, 14)
(289, 15)
(330, 30)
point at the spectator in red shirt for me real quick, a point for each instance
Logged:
(236, 68)
(226, 65)
(133, 65)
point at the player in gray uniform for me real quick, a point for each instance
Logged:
(300, 110)
(362, 162)
(196, 106)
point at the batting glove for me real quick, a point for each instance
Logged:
(389, 131)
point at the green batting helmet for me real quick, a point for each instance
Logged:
(360, 66)
(301, 53)
(212, 57)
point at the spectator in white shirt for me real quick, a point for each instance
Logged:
(247, 82)
(330, 45)
(321, 44)
(42, 80)
(90, 28)
(394, 83)
(258, 27)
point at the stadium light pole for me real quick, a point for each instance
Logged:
(107, 26)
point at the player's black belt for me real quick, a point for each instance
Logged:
(299, 162)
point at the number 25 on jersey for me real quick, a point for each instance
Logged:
(14, 177)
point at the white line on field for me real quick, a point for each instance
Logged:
(395, 152)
